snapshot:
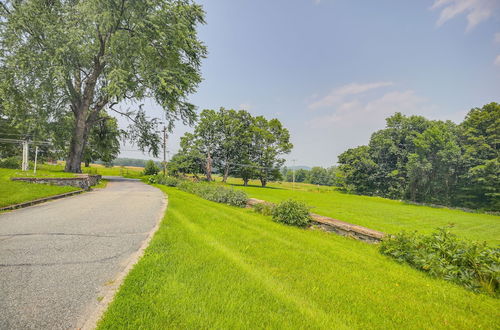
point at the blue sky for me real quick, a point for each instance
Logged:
(333, 70)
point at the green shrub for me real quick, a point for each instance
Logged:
(164, 180)
(441, 254)
(264, 208)
(215, 193)
(151, 168)
(292, 212)
(11, 162)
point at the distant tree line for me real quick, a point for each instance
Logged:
(430, 161)
(233, 143)
(316, 175)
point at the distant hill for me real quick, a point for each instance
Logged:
(128, 162)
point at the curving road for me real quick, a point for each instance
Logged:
(57, 259)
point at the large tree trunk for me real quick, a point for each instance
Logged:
(208, 167)
(78, 140)
(245, 182)
(263, 182)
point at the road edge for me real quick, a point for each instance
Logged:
(39, 201)
(90, 322)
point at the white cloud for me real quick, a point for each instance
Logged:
(371, 114)
(337, 95)
(497, 60)
(476, 10)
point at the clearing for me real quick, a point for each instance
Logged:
(378, 213)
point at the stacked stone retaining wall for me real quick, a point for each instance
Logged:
(84, 181)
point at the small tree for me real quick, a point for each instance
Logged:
(151, 168)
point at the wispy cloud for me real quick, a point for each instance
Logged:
(476, 10)
(337, 95)
(372, 113)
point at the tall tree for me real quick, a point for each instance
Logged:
(270, 140)
(480, 135)
(85, 57)
(435, 165)
(234, 135)
(357, 171)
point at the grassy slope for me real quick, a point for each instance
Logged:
(380, 213)
(17, 192)
(216, 266)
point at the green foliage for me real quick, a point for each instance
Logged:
(100, 53)
(443, 255)
(430, 161)
(104, 141)
(164, 180)
(317, 175)
(234, 142)
(215, 193)
(264, 208)
(151, 168)
(11, 162)
(292, 212)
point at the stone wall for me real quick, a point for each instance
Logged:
(336, 226)
(84, 181)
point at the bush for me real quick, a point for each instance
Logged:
(264, 208)
(443, 255)
(164, 180)
(151, 168)
(291, 212)
(11, 162)
(215, 193)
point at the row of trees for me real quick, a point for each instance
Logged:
(233, 143)
(316, 175)
(430, 161)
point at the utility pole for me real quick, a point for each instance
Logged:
(24, 165)
(293, 174)
(36, 156)
(164, 150)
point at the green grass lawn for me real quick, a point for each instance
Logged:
(125, 171)
(216, 266)
(380, 213)
(12, 192)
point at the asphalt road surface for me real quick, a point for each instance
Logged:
(57, 258)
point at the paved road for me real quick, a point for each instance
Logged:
(57, 258)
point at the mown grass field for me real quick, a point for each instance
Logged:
(125, 171)
(380, 213)
(12, 192)
(216, 266)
